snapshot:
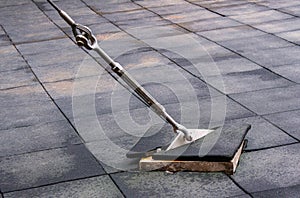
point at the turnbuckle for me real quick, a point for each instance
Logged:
(83, 35)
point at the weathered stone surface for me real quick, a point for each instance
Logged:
(237, 82)
(292, 36)
(291, 72)
(28, 114)
(270, 100)
(239, 9)
(261, 17)
(166, 184)
(246, 45)
(231, 33)
(275, 57)
(16, 78)
(210, 24)
(287, 121)
(263, 134)
(101, 186)
(272, 168)
(291, 191)
(294, 10)
(279, 26)
(37, 137)
(46, 167)
(194, 15)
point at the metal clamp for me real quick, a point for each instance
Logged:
(84, 36)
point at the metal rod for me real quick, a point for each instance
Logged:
(84, 37)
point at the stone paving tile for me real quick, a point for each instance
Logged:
(261, 17)
(32, 32)
(16, 78)
(263, 134)
(210, 24)
(175, 9)
(269, 169)
(101, 186)
(294, 10)
(239, 9)
(278, 4)
(46, 167)
(4, 40)
(22, 95)
(217, 3)
(237, 82)
(166, 184)
(287, 121)
(279, 26)
(291, 72)
(246, 45)
(229, 65)
(270, 100)
(159, 3)
(293, 36)
(231, 33)
(120, 99)
(37, 137)
(6, 3)
(129, 15)
(112, 7)
(49, 46)
(292, 191)
(32, 113)
(10, 59)
(275, 57)
(196, 15)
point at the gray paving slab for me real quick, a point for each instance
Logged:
(113, 7)
(166, 184)
(293, 10)
(159, 3)
(47, 47)
(22, 95)
(28, 114)
(261, 17)
(292, 36)
(287, 121)
(129, 15)
(6, 3)
(263, 134)
(285, 25)
(175, 9)
(101, 186)
(210, 24)
(194, 15)
(279, 4)
(231, 33)
(269, 169)
(219, 4)
(240, 9)
(275, 57)
(246, 45)
(46, 167)
(292, 191)
(291, 72)
(17, 78)
(38, 137)
(4, 40)
(10, 59)
(237, 82)
(270, 100)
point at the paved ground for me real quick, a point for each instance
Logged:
(51, 149)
